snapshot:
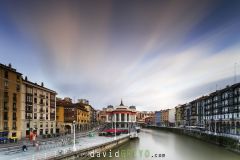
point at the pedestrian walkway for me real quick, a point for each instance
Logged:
(57, 148)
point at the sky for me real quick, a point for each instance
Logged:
(154, 54)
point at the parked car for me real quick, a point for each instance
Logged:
(3, 140)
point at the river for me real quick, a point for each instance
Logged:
(164, 145)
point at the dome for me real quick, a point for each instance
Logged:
(132, 107)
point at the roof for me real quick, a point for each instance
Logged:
(38, 86)
(9, 68)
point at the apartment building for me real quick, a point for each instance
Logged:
(38, 109)
(10, 95)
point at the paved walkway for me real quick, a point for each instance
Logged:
(54, 148)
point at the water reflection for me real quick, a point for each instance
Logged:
(163, 145)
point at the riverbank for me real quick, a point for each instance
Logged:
(226, 142)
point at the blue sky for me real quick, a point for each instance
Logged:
(153, 54)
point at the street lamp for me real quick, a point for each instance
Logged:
(115, 137)
(74, 138)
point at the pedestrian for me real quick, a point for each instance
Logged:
(24, 148)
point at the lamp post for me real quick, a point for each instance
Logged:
(128, 129)
(74, 138)
(115, 137)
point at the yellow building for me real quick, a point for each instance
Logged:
(10, 87)
(67, 113)
(60, 114)
(60, 127)
(83, 117)
(92, 113)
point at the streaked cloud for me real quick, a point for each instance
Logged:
(154, 54)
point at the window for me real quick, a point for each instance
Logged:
(41, 101)
(17, 87)
(6, 74)
(28, 125)
(41, 132)
(14, 97)
(5, 117)
(6, 95)
(18, 77)
(35, 108)
(35, 115)
(5, 105)
(14, 116)
(5, 84)
(5, 125)
(35, 100)
(14, 126)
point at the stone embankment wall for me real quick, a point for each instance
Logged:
(85, 153)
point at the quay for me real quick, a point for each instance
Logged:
(85, 145)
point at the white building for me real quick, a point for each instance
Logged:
(38, 109)
(171, 117)
(124, 116)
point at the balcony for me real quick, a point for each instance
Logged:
(14, 128)
(41, 118)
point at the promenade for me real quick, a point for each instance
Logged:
(56, 147)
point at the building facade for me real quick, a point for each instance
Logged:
(10, 102)
(73, 112)
(164, 118)
(123, 116)
(179, 116)
(218, 112)
(38, 109)
(171, 117)
(91, 111)
(102, 116)
(158, 118)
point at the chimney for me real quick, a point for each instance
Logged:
(42, 84)
(10, 65)
(26, 78)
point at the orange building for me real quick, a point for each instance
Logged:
(164, 117)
